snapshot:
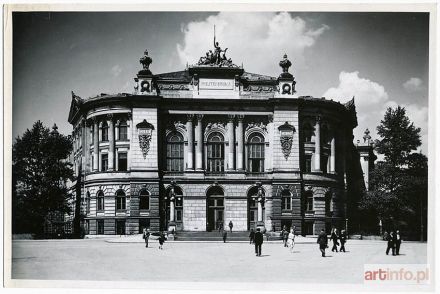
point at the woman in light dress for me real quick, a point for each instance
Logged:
(291, 240)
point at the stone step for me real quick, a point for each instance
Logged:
(216, 236)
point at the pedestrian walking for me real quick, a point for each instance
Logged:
(343, 239)
(398, 242)
(385, 236)
(231, 225)
(291, 240)
(258, 242)
(251, 236)
(220, 227)
(334, 236)
(390, 243)
(146, 236)
(322, 241)
(285, 236)
(161, 240)
(225, 236)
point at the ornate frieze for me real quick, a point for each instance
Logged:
(173, 86)
(173, 125)
(258, 88)
(215, 125)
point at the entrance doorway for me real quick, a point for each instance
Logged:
(215, 208)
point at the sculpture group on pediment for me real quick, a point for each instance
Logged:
(215, 125)
(259, 125)
(216, 57)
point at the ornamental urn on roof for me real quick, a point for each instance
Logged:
(145, 61)
(285, 64)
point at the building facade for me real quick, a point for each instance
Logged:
(195, 149)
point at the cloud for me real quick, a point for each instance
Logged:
(371, 101)
(259, 40)
(116, 70)
(413, 85)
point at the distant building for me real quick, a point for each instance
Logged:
(194, 149)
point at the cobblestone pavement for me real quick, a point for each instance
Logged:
(201, 262)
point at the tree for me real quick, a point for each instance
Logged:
(398, 185)
(40, 171)
(399, 136)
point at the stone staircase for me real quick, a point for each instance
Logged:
(215, 236)
(211, 236)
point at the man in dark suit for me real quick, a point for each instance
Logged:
(322, 241)
(258, 242)
(391, 243)
(398, 241)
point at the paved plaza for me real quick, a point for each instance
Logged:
(98, 259)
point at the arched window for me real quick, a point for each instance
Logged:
(120, 200)
(286, 200)
(175, 152)
(144, 200)
(256, 153)
(216, 154)
(307, 132)
(308, 197)
(104, 131)
(123, 130)
(100, 201)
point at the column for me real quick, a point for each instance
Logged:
(199, 138)
(95, 145)
(260, 211)
(190, 135)
(171, 211)
(240, 145)
(231, 141)
(332, 154)
(85, 146)
(318, 144)
(111, 142)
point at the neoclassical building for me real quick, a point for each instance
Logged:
(195, 149)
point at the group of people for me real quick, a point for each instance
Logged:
(146, 236)
(394, 239)
(335, 237)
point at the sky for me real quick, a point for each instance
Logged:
(382, 59)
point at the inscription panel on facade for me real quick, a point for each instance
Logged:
(216, 84)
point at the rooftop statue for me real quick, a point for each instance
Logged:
(216, 58)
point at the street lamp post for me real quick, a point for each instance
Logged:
(260, 202)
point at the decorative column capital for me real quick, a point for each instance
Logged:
(95, 120)
(199, 117)
(110, 117)
(240, 117)
(190, 117)
(318, 119)
(129, 115)
(270, 117)
(231, 118)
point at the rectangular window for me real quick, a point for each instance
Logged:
(120, 227)
(216, 158)
(175, 156)
(308, 164)
(123, 133)
(104, 162)
(324, 162)
(143, 223)
(120, 203)
(178, 215)
(87, 228)
(309, 204)
(100, 205)
(256, 158)
(100, 224)
(87, 205)
(122, 161)
(104, 134)
(286, 203)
